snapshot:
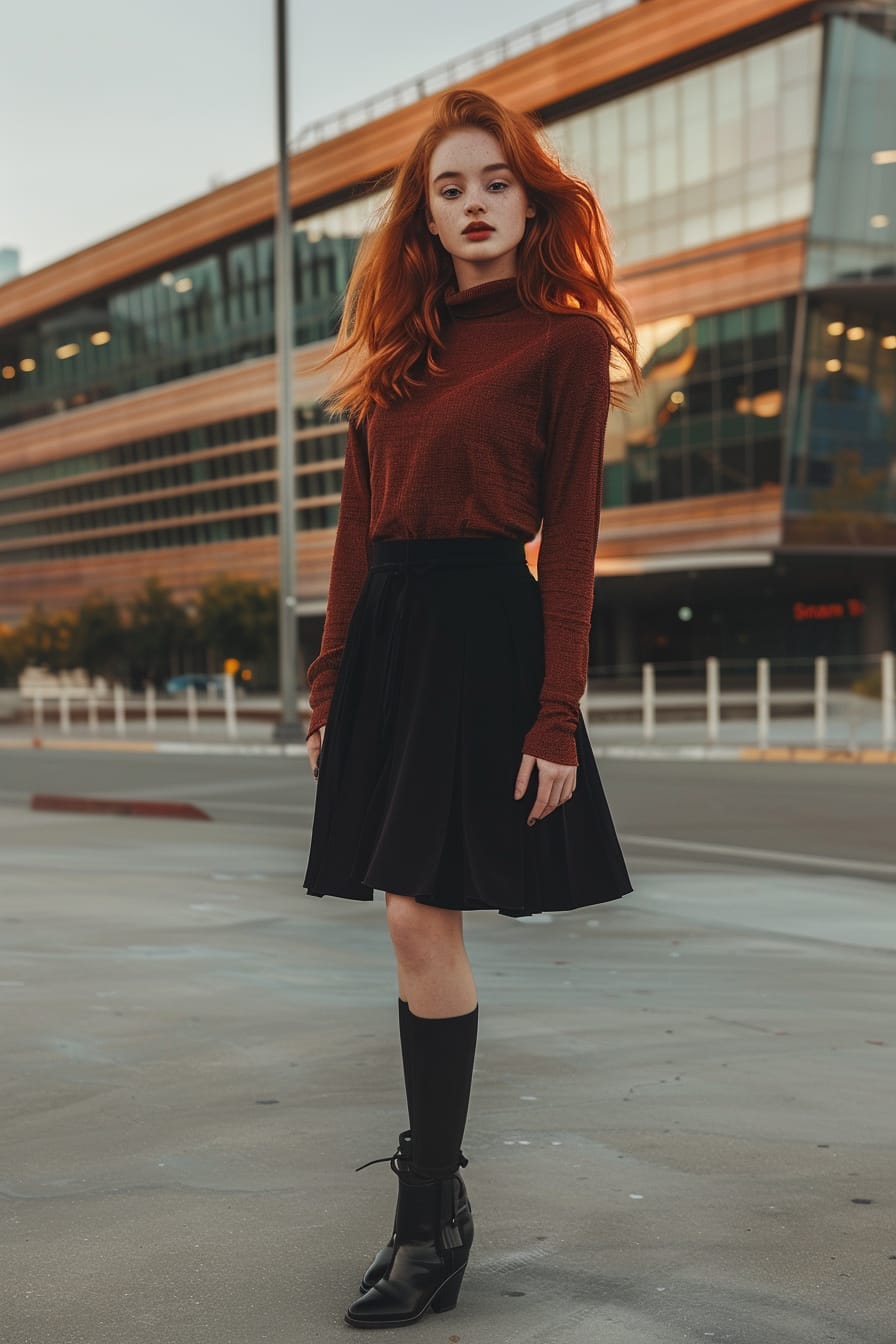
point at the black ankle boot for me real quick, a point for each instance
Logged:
(383, 1258)
(432, 1240)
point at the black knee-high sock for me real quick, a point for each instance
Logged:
(404, 1036)
(442, 1051)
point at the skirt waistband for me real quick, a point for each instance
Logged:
(389, 552)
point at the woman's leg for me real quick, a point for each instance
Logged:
(434, 973)
(440, 1027)
(427, 1255)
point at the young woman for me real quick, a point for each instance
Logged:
(454, 767)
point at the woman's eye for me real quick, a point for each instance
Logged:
(491, 184)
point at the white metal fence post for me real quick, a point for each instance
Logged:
(821, 701)
(38, 712)
(65, 722)
(91, 711)
(192, 716)
(118, 701)
(648, 701)
(150, 707)
(712, 700)
(887, 696)
(230, 704)
(762, 701)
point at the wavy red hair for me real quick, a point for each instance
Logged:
(394, 310)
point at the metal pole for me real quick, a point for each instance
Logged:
(118, 699)
(887, 697)
(763, 701)
(230, 704)
(287, 730)
(713, 713)
(821, 701)
(648, 702)
(192, 716)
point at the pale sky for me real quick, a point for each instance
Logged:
(116, 112)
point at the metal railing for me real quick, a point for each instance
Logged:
(410, 91)
(847, 703)
(797, 706)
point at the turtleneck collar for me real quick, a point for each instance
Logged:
(485, 300)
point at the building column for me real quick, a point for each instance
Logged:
(877, 620)
(624, 635)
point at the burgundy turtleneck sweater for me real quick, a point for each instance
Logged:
(508, 440)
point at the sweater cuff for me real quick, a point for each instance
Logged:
(548, 741)
(319, 698)
(318, 718)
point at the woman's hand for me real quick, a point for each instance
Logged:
(315, 742)
(556, 785)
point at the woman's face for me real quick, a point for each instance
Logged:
(468, 181)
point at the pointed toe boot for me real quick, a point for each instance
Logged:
(383, 1257)
(428, 1256)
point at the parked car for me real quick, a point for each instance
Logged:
(203, 682)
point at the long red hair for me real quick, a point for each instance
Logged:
(394, 311)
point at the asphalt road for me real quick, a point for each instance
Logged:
(671, 814)
(681, 1120)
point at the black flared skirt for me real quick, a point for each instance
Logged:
(438, 684)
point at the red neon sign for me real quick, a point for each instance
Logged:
(828, 611)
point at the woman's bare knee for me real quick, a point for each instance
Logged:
(420, 933)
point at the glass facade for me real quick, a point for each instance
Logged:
(710, 416)
(204, 313)
(213, 483)
(709, 154)
(841, 474)
(853, 228)
(702, 156)
(841, 479)
(717, 152)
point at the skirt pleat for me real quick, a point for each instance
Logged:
(438, 683)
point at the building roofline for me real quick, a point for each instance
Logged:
(611, 49)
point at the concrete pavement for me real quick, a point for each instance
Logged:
(680, 1129)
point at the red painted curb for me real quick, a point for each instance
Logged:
(130, 807)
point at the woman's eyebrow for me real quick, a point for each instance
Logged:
(489, 168)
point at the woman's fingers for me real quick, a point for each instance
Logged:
(315, 742)
(522, 779)
(555, 786)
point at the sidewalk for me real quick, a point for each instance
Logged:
(789, 739)
(680, 1126)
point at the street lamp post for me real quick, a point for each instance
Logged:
(287, 730)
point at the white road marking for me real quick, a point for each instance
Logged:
(775, 855)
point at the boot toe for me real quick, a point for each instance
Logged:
(378, 1267)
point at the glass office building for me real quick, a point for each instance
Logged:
(750, 184)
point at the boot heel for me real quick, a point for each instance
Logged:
(446, 1298)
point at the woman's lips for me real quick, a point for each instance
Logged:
(481, 232)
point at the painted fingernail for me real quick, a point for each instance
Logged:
(315, 772)
(532, 821)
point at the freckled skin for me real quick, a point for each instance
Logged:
(496, 197)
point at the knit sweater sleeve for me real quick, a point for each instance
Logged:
(577, 391)
(347, 574)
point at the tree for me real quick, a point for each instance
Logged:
(237, 618)
(158, 631)
(98, 638)
(43, 640)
